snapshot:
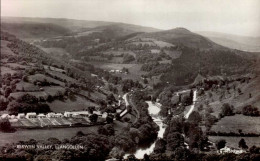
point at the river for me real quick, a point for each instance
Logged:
(154, 109)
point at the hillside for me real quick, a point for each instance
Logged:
(243, 43)
(31, 27)
(56, 84)
(34, 30)
(182, 36)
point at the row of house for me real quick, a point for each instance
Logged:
(74, 114)
(227, 149)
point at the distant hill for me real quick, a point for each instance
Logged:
(34, 30)
(182, 36)
(45, 27)
(251, 44)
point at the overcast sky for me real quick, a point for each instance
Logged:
(241, 17)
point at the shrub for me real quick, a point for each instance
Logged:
(227, 110)
(250, 111)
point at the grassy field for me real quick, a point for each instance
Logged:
(5, 70)
(233, 141)
(56, 51)
(61, 75)
(4, 49)
(27, 86)
(41, 77)
(69, 105)
(233, 123)
(173, 54)
(44, 134)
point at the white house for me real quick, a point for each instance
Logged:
(58, 115)
(31, 115)
(41, 116)
(21, 116)
(231, 150)
(50, 115)
(104, 115)
(68, 114)
(5, 116)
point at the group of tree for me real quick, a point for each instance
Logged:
(250, 111)
(226, 110)
(27, 103)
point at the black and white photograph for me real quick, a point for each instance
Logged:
(130, 80)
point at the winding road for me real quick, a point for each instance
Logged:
(192, 106)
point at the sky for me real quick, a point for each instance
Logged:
(239, 17)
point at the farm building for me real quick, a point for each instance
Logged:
(31, 115)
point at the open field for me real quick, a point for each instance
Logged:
(27, 86)
(119, 52)
(61, 75)
(55, 51)
(44, 134)
(41, 77)
(4, 49)
(134, 69)
(5, 70)
(233, 123)
(173, 54)
(69, 105)
(233, 141)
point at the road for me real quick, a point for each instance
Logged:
(192, 106)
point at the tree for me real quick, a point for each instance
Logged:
(160, 146)
(109, 119)
(93, 118)
(200, 108)
(227, 110)
(250, 111)
(194, 117)
(174, 140)
(129, 108)
(145, 81)
(5, 126)
(242, 144)
(91, 109)
(8, 91)
(221, 144)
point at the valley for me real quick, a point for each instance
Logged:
(124, 91)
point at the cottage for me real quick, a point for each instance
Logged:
(75, 115)
(41, 116)
(58, 115)
(68, 114)
(118, 110)
(50, 115)
(31, 115)
(104, 115)
(231, 150)
(5, 116)
(21, 116)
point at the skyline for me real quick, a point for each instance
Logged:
(236, 17)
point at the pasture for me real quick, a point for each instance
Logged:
(69, 105)
(233, 141)
(44, 134)
(233, 123)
